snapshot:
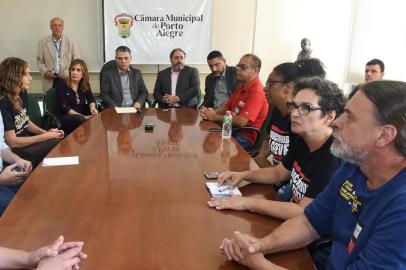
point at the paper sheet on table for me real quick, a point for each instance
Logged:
(60, 161)
(126, 110)
(216, 192)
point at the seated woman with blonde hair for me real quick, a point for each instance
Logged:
(26, 139)
(75, 101)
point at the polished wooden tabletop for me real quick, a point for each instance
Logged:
(137, 198)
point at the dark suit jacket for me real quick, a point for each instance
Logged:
(111, 91)
(231, 83)
(187, 87)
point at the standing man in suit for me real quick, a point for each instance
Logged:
(55, 52)
(123, 86)
(179, 85)
(220, 83)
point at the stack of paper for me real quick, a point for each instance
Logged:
(217, 191)
(60, 161)
(126, 110)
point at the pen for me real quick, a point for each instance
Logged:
(224, 188)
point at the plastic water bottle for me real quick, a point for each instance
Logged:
(227, 125)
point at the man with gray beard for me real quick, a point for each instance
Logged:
(363, 209)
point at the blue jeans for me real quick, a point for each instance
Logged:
(6, 195)
(242, 140)
(320, 254)
(285, 192)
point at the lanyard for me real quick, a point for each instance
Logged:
(58, 48)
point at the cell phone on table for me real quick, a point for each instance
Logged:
(211, 174)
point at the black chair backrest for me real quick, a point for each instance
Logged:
(34, 111)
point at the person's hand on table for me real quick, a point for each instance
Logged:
(137, 105)
(239, 247)
(208, 114)
(232, 178)
(55, 133)
(69, 259)
(202, 109)
(250, 252)
(58, 255)
(94, 111)
(233, 202)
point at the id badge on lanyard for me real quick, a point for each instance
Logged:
(58, 56)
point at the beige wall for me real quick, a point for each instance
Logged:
(270, 28)
(232, 33)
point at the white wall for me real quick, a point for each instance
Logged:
(281, 24)
(24, 22)
(379, 32)
(345, 34)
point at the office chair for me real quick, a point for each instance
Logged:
(263, 132)
(50, 119)
(34, 111)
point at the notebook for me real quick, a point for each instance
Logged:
(217, 191)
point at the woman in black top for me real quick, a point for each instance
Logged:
(75, 101)
(25, 138)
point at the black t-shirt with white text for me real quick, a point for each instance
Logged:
(280, 136)
(15, 120)
(310, 171)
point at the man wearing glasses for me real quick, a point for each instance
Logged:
(308, 164)
(248, 104)
(363, 207)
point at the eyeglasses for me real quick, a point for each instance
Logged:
(303, 109)
(269, 83)
(243, 66)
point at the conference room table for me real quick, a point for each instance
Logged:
(137, 198)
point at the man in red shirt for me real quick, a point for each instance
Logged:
(248, 104)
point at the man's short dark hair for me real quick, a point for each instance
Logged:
(331, 98)
(123, 49)
(176, 50)
(215, 54)
(377, 62)
(255, 61)
(389, 98)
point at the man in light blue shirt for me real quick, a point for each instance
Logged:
(12, 176)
